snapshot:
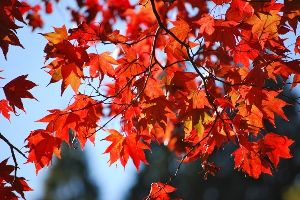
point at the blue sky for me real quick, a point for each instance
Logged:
(114, 181)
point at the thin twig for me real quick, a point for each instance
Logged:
(13, 148)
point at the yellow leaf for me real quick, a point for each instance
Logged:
(59, 35)
(200, 127)
(265, 26)
(188, 125)
(203, 119)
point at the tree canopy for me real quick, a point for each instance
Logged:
(192, 75)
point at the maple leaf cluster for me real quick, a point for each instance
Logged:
(194, 81)
(9, 14)
(12, 186)
(9, 184)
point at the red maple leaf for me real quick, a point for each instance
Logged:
(9, 13)
(17, 89)
(276, 146)
(249, 160)
(42, 144)
(239, 11)
(251, 156)
(5, 108)
(11, 186)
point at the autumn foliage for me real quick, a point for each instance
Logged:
(193, 75)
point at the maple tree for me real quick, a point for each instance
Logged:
(192, 75)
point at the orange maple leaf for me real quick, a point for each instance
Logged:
(101, 64)
(265, 26)
(124, 147)
(81, 116)
(59, 35)
(160, 191)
